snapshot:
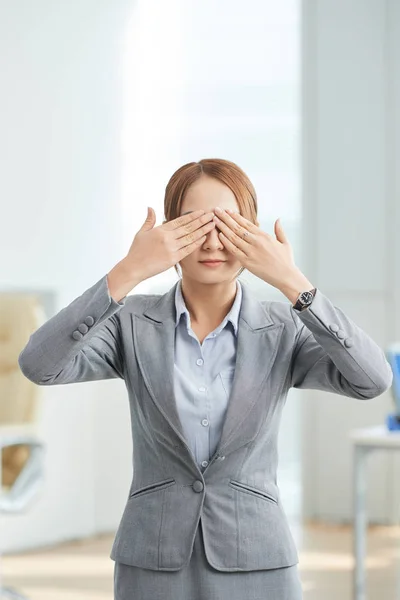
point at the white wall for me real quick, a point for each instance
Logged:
(351, 138)
(96, 103)
(60, 118)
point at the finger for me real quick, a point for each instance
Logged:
(186, 227)
(280, 234)
(232, 248)
(186, 250)
(194, 235)
(246, 224)
(235, 238)
(183, 220)
(238, 218)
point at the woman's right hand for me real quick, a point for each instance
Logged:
(156, 249)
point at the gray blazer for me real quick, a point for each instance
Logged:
(236, 496)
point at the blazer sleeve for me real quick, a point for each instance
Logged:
(333, 354)
(80, 343)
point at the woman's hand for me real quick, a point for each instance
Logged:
(269, 258)
(156, 249)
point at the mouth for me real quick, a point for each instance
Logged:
(212, 263)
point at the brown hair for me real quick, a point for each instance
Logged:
(225, 171)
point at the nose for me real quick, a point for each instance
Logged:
(213, 240)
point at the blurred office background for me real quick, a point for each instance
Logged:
(100, 103)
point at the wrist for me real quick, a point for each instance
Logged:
(295, 284)
(121, 281)
(129, 272)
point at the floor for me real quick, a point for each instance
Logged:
(82, 570)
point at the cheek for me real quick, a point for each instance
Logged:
(191, 258)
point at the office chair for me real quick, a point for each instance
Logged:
(19, 496)
(21, 452)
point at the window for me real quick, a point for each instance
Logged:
(212, 79)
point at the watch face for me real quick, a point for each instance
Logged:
(306, 297)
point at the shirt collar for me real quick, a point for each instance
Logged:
(232, 316)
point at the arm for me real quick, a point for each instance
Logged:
(333, 354)
(81, 342)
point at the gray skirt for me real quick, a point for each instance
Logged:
(200, 581)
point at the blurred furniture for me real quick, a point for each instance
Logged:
(21, 452)
(393, 356)
(364, 442)
(17, 498)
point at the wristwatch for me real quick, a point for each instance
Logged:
(304, 299)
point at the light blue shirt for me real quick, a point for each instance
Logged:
(203, 376)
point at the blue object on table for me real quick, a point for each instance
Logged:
(393, 423)
(393, 356)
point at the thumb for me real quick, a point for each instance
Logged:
(280, 234)
(149, 221)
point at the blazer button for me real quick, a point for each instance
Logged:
(198, 486)
(77, 335)
(89, 321)
(83, 328)
(341, 334)
(348, 342)
(333, 327)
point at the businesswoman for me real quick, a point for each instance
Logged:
(207, 368)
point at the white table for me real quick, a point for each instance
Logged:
(365, 441)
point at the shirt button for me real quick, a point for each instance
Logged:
(202, 388)
(204, 463)
(199, 361)
(204, 422)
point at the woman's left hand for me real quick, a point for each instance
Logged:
(269, 258)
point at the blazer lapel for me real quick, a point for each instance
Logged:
(257, 346)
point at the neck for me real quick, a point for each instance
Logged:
(208, 303)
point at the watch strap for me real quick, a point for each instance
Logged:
(302, 303)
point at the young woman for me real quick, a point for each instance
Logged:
(207, 368)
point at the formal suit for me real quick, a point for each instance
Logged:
(236, 495)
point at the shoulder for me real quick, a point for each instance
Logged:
(137, 303)
(282, 312)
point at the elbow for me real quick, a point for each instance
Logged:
(27, 370)
(30, 369)
(387, 379)
(382, 384)
(22, 365)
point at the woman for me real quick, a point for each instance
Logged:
(207, 368)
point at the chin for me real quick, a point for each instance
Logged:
(200, 273)
(222, 273)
